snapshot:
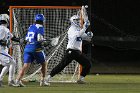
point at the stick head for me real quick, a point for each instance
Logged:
(54, 41)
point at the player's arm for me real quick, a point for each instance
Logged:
(40, 37)
(87, 36)
(2, 34)
(20, 40)
(40, 34)
(85, 26)
(15, 39)
(44, 42)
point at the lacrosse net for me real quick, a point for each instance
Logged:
(56, 24)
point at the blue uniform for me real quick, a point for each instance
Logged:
(33, 50)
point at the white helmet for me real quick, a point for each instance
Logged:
(4, 17)
(75, 19)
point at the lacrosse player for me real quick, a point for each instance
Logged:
(5, 59)
(76, 34)
(33, 49)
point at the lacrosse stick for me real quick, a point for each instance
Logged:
(54, 41)
(84, 13)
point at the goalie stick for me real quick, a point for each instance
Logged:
(84, 13)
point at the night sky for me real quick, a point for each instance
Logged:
(123, 14)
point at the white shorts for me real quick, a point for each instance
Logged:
(5, 58)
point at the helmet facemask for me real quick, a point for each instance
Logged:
(4, 19)
(75, 20)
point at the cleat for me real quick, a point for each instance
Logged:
(12, 83)
(20, 84)
(81, 82)
(44, 83)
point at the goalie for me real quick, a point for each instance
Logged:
(74, 52)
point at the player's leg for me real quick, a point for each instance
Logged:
(64, 62)
(43, 70)
(6, 63)
(21, 74)
(2, 74)
(40, 58)
(11, 78)
(86, 65)
(28, 58)
(43, 74)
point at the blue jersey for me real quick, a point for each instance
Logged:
(33, 45)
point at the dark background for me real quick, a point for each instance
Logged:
(115, 24)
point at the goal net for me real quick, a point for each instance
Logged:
(56, 24)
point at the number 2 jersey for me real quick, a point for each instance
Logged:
(31, 37)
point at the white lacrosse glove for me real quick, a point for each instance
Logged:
(87, 24)
(90, 34)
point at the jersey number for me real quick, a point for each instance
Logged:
(30, 36)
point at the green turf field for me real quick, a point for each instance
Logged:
(96, 84)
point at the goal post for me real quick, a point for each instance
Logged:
(56, 24)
